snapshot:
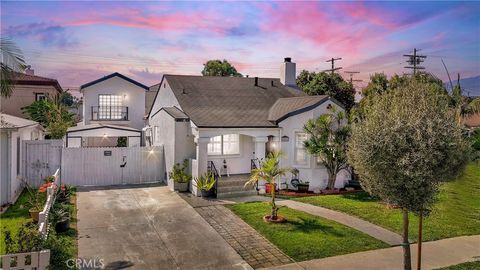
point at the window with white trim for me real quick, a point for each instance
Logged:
(224, 145)
(40, 96)
(301, 155)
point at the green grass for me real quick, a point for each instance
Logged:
(464, 266)
(14, 217)
(456, 213)
(304, 236)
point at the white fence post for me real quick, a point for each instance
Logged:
(39, 260)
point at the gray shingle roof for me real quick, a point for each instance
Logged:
(228, 101)
(10, 121)
(285, 107)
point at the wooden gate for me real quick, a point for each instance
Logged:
(41, 159)
(102, 166)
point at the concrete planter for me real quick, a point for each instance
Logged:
(181, 187)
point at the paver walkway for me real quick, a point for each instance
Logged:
(435, 254)
(253, 247)
(148, 228)
(373, 230)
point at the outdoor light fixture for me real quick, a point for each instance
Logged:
(105, 135)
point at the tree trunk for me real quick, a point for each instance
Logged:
(332, 177)
(273, 216)
(407, 263)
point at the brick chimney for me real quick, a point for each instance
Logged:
(288, 71)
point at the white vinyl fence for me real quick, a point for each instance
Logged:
(41, 159)
(102, 166)
(39, 260)
(43, 216)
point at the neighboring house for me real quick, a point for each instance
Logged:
(28, 88)
(113, 111)
(14, 130)
(233, 122)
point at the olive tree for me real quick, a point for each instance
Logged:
(407, 143)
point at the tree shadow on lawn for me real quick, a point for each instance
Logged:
(309, 225)
(361, 197)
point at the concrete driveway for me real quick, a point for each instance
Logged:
(148, 228)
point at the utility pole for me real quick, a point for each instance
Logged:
(332, 70)
(351, 76)
(414, 61)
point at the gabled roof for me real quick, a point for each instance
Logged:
(211, 101)
(10, 121)
(115, 74)
(286, 107)
(26, 79)
(176, 113)
(100, 126)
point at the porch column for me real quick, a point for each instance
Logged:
(260, 146)
(201, 160)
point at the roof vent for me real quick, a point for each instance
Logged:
(288, 59)
(256, 81)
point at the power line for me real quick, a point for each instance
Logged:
(333, 69)
(414, 61)
(351, 73)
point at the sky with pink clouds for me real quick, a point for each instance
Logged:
(77, 42)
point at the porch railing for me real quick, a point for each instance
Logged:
(212, 169)
(254, 166)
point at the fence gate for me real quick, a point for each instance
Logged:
(102, 166)
(41, 159)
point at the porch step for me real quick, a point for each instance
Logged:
(224, 189)
(232, 194)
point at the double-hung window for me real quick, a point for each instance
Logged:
(224, 145)
(110, 107)
(301, 155)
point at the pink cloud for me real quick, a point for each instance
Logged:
(173, 21)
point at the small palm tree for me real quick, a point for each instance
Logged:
(11, 60)
(268, 171)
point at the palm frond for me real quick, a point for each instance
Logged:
(11, 60)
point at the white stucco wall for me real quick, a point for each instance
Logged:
(165, 98)
(315, 174)
(133, 98)
(15, 176)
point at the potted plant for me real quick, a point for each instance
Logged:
(63, 193)
(35, 202)
(180, 177)
(206, 183)
(60, 217)
(303, 186)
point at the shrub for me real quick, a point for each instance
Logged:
(179, 173)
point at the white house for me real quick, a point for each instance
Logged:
(228, 124)
(14, 130)
(113, 112)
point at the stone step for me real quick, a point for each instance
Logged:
(221, 195)
(223, 189)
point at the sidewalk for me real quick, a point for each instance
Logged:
(366, 227)
(435, 254)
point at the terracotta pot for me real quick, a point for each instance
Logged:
(268, 188)
(34, 214)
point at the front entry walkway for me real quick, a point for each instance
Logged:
(148, 228)
(435, 254)
(252, 246)
(373, 230)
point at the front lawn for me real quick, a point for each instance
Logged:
(456, 213)
(304, 236)
(15, 216)
(464, 266)
(62, 245)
